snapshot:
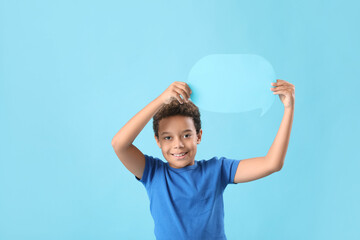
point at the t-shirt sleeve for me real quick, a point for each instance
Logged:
(228, 170)
(151, 165)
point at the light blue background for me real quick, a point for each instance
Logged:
(72, 73)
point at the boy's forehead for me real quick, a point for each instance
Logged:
(175, 123)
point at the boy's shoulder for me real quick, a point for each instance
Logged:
(211, 161)
(218, 161)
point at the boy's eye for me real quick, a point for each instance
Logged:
(184, 135)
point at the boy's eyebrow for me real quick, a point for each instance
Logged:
(187, 130)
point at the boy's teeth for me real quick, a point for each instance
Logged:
(179, 155)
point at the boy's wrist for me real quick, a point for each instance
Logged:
(289, 109)
(159, 100)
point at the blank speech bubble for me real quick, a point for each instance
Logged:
(232, 83)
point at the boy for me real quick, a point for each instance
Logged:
(186, 196)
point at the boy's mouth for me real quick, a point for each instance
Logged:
(180, 156)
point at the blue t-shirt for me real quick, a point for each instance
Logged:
(187, 203)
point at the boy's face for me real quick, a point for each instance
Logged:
(177, 140)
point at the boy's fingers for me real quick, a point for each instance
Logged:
(177, 94)
(179, 98)
(282, 84)
(280, 88)
(189, 89)
(183, 93)
(185, 88)
(187, 92)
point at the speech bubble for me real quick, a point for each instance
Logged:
(232, 83)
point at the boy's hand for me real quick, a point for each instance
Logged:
(174, 91)
(286, 91)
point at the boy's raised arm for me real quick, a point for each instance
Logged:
(129, 155)
(127, 134)
(277, 152)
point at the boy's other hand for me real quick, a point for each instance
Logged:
(174, 91)
(286, 92)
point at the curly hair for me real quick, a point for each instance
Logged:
(174, 108)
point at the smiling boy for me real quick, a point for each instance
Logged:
(186, 195)
(171, 130)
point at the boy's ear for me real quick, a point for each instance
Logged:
(199, 136)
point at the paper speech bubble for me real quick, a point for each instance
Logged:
(231, 83)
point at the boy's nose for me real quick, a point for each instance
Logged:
(178, 143)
